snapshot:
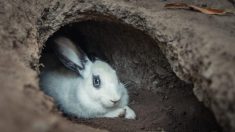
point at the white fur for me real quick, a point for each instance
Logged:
(77, 96)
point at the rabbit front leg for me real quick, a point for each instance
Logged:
(129, 113)
(115, 113)
(126, 112)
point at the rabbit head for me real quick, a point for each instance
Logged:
(97, 79)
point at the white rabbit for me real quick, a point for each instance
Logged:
(81, 87)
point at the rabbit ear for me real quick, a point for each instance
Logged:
(70, 55)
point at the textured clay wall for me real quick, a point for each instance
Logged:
(199, 48)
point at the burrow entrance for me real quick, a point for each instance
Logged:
(161, 100)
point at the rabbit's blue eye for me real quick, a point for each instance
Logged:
(96, 81)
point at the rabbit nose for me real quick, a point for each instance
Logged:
(115, 101)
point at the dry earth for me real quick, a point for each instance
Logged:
(199, 48)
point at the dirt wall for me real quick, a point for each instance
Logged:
(199, 48)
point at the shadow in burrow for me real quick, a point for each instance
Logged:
(161, 100)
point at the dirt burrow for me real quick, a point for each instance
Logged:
(160, 99)
(198, 47)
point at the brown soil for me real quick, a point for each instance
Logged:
(200, 48)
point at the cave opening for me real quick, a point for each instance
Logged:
(161, 100)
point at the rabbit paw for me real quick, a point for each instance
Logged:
(116, 113)
(129, 113)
